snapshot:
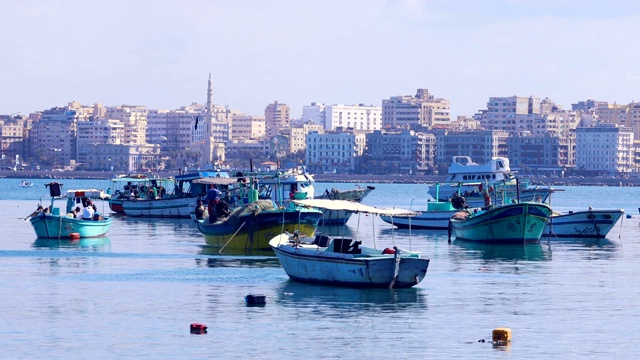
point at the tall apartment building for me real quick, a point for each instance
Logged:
(545, 153)
(276, 116)
(134, 118)
(605, 149)
(502, 112)
(403, 150)
(480, 145)
(95, 132)
(621, 114)
(13, 137)
(358, 117)
(423, 110)
(54, 134)
(334, 151)
(247, 127)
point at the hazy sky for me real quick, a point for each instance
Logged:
(159, 53)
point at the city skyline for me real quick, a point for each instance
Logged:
(160, 54)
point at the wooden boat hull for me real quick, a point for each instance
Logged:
(252, 232)
(519, 223)
(116, 206)
(310, 264)
(61, 227)
(179, 207)
(583, 224)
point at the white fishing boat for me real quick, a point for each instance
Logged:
(173, 198)
(344, 261)
(582, 224)
(123, 187)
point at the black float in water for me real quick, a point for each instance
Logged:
(255, 300)
(198, 328)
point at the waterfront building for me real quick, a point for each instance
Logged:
(337, 150)
(402, 151)
(548, 153)
(423, 110)
(123, 157)
(93, 132)
(605, 149)
(480, 145)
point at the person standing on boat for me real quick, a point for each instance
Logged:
(213, 197)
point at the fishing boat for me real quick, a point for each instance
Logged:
(471, 180)
(340, 217)
(514, 223)
(249, 227)
(343, 261)
(123, 187)
(49, 222)
(173, 198)
(582, 224)
(26, 183)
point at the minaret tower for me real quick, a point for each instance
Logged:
(209, 95)
(207, 147)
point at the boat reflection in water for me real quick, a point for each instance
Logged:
(529, 252)
(334, 300)
(587, 248)
(100, 244)
(242, 261)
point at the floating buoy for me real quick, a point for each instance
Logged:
(74, 236)
(501, 335)
(388, 251)
(253, 300)
(196, 328)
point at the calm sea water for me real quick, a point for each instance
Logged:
(135, 292)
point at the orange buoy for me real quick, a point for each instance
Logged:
(74, 236)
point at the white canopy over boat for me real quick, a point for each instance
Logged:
(353, 207)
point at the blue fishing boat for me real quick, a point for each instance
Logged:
(48, 222)
(515, 223)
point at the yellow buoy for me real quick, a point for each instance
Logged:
(502, 335)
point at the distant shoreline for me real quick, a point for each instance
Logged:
(334, 178)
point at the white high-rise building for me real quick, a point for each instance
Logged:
(605, 149)
(357, 117)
